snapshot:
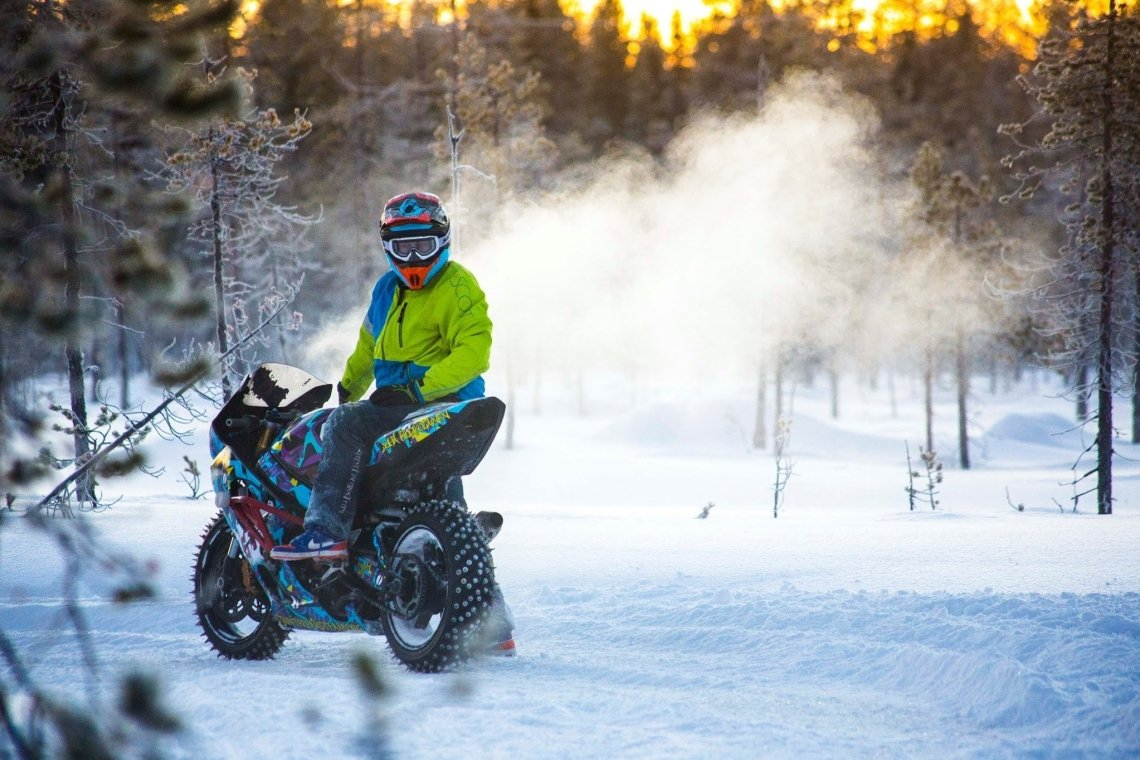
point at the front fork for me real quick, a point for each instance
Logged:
(245, 515)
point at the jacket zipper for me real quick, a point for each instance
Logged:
(400, 324)
(384, 329)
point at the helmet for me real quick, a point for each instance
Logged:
(416, 236)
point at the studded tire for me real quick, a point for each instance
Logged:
(448, 587)
(232, 608)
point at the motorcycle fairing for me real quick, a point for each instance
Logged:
(291, 601)
(225, 470)
(277, 388)
(300, 448)
(291, 462)
(284, 387)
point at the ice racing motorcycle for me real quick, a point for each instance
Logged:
(419, 571)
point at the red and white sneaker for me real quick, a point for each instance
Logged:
(314, 543)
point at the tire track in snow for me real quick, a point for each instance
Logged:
(1041, 670)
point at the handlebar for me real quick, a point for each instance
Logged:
(245, 424)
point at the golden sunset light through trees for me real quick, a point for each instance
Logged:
(870, 24)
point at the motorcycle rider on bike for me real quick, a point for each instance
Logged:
(426, 337)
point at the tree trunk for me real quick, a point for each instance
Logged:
(833, 381)
(93, 362)
(73, 352)
(962, 370)
(1106, 328)
(892, 393)
(216, 230)
(760, 431)
(1082, 383)
(1136, 365)
(3, 388)
(928, 397)
(509, 440)
(124, 357)
(779, 387)
(1104, 385)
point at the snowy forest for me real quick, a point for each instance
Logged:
(792, 210)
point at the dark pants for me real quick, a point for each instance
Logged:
(347, 438)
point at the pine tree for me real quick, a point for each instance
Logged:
(65, 66)
(231, 167)
(651, 114)
(543, 41)
(954, 89)
(297, 49)
(499, 110)
(951, 207)
(608, 78)
(1087, 84)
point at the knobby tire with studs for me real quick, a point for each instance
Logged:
(232, 608)
(450, 552)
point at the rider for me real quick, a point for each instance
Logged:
(426, 337)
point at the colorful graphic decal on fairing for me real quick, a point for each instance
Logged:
(291, 462)
(300, 449)
(284, 480)
(221, 474)
(225, 471)
(416, 430)
(302, 610)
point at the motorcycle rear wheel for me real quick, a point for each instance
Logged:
(447, 585)
(232, 608)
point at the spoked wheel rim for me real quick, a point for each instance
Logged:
(421, 603)
(233, 610)
(235, 606)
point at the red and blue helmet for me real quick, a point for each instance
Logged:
(416, 235)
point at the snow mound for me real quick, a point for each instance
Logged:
(725, 428)
(1037, 429)
(811, 436)
(704, 427)
(1032, 439)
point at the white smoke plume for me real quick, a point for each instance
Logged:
(752, 232)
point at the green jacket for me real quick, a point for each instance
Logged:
(439, 337)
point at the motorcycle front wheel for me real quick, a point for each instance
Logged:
(233, 610)
(444, 589)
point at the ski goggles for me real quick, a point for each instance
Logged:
(416, 248)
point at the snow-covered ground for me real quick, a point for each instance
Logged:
(848, 627)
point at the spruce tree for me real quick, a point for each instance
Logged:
(65, 67)
(651, 116)
(251, 240)
(952, 207)
(499, 109)
(608, 78)
(1087, 85)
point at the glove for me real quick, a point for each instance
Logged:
(342, 394)
(395, 395)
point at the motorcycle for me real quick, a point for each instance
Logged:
(419, 570)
